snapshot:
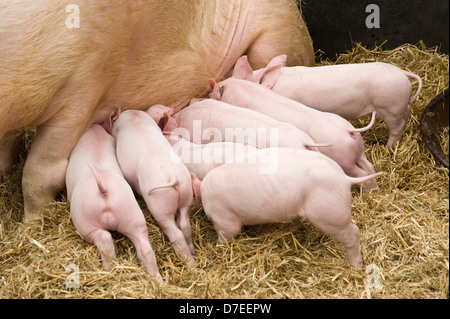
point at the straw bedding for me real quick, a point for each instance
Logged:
(404, 231)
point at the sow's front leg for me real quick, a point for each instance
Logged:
(45, 168)
(8, 151)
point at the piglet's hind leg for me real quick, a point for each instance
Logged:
(184, 223)
(163, 205)
(348, 235)
(105, 244)
(334, 219)
(226, 224)
(145, 253)
(177, 239)
(396, 125)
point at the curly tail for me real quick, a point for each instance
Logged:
(174, 184)
(360, 180)
(314, 147)
(368, 127)
(100, 186)
(419, 80)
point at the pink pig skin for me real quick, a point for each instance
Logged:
(306, 184)
(349, 90)
(216, 116)
(101, 199)
(347, 144)
(202, 158)
(156, 173)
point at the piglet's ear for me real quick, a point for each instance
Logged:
(167, 123)
(215, 91)
(279, 59)
(242, 69)
(271, 75)
(108, 123)
(163, 121)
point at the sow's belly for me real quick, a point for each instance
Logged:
(184, 44)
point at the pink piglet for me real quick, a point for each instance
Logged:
(349, 90)
(347, 144)
(304, 184)
(101, 200)
(156, 173)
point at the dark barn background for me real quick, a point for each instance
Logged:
(333, 24)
